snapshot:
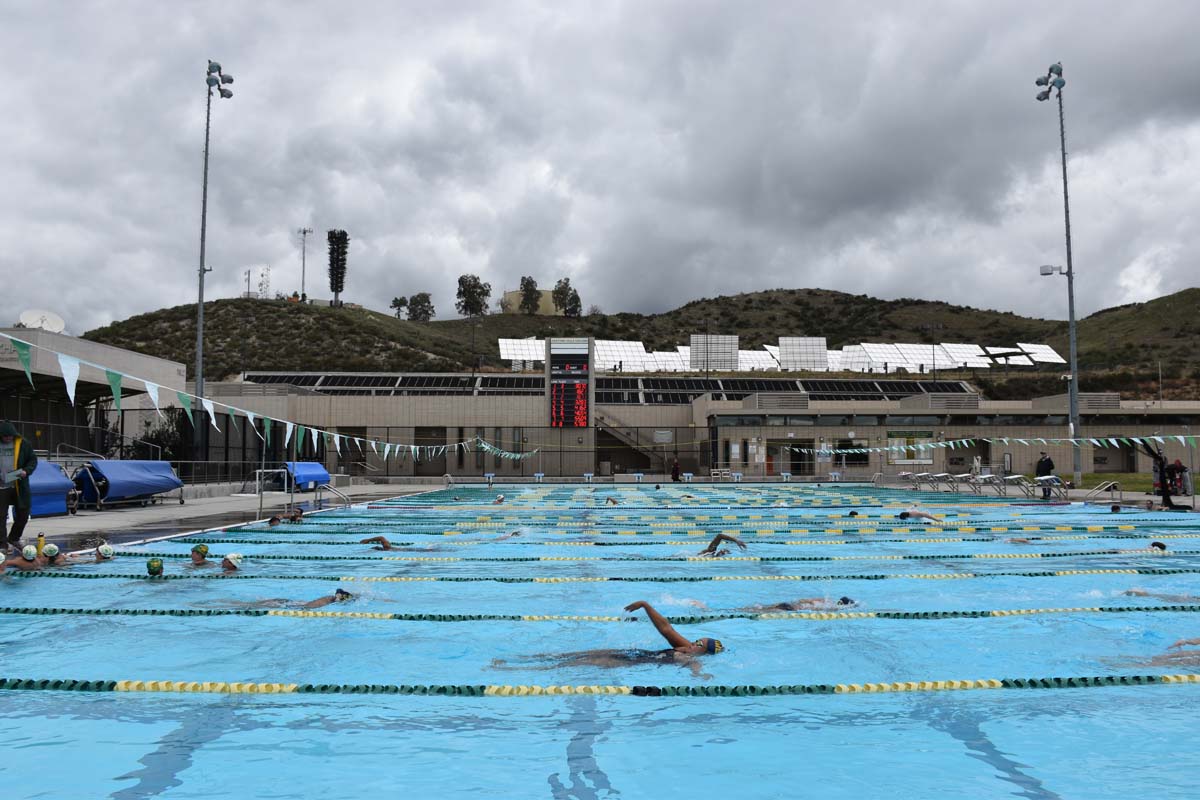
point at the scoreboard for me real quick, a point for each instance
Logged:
(568, 363)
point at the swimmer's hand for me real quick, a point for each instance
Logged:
(1184, 643)
(740, 543)
(635, 606)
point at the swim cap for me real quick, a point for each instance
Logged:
(711, 646)
(202, 549)
(154, 566)
(29, 552)
(234, 558)
(106, 551)
(845, 601)
(50, 550)
(341, 593)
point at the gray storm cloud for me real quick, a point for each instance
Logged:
(653, 152)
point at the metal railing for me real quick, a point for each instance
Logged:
(1115, 493)
(325, 486)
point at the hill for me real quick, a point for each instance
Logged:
(278, 335)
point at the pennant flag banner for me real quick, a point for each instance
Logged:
(152, 392)
(212, 413)
(23, 356)
(185, 400)
(70, 372)
(287, 432)
(114, 384)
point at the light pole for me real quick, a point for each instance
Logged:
(304, 232)
(214, 79)
(1053, 80)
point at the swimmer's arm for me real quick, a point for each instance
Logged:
(320, 602)
(1184, 643)
(379, 540)
(673, 637)
(721, 537)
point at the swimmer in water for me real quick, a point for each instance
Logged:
(1166, 598)
(199, 556)
(296, 517)
(612, 501)
(915, 513)
(273, 521)
(154, 567)
(380, 542)
(682, 652)
(338, 596)
(28, 561)
(232, 562)
(712, 552)
(499, 499)
(1186, 657)
(801, 604)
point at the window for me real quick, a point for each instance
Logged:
(833, 420)
(800, 421)
(860, 420)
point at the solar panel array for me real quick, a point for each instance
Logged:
(803, 353)
(793, 353)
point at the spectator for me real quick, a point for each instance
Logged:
(1044, 469)
(17, 463)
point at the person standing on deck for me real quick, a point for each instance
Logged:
(17, 463)
(1044, 469)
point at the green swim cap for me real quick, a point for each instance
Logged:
(154, 566)
(50, 550)
(106, 551)
(202, 549)
(29, 552)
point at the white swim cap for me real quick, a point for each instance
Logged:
(234, 558)
(50, 550)
(29, 552)
(106, 551)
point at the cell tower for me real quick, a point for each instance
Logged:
(264, 283)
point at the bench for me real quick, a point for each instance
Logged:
(720, 474)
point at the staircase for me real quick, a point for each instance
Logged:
(627, 434)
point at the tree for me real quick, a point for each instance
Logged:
(561, 294)
(531, 298)
(574, 307)
(399, 303)
(594, 310)
(420, 307)
(473, 296)
(339, 245)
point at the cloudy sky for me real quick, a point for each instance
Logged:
(654, 152)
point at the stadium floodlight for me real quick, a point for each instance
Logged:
(213, 79)
(1053, 80)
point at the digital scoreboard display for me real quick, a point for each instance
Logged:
(570, 379)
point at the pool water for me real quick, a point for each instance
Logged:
(463, 604)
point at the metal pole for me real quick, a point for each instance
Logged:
(1160, 391)
(1073, 385)
(292, 487)
(304, 232)
(198, 430)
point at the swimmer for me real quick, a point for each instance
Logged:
(199, 556)
(1155, 549)
(682, 652)
(712, 550)
(506, 536)
(154, 567)
(801, 604)
(28, 561)
(915, 513)
(380, 542)
(657, 487)
(296, 517)
(499, 499)
(232, 562)
(1186, 657)
(1166, 598)
(852, 514)
(50, 554)
(338, 596)
(103, 552)
(273, 521)
(1115, 509)
(612, 501)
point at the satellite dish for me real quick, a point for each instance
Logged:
(46, 320)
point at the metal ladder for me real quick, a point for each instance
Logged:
(1107, 486)
(317, 498)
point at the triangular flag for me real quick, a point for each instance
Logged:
(233, 420)
(185, 400)
(337, 445)
(268, 423)
(114, 384)
(287, 432)
(387, 448)
(250, 422)
(1181, 440)
(212, 413)
(22, 349)
(373, 447)
(1158, 439)
(1113, 442)
(70, 373)
(152, 391)
(314, 438)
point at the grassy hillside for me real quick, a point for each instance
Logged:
(1121, 346)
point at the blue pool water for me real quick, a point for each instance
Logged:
(1085, 742)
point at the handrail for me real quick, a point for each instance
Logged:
(1107, 486)
(345, 499)
(61, 445)
(876, 478)
(365, 465)
(258, 473)
(149, 444)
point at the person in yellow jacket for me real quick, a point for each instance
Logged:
(17, 463)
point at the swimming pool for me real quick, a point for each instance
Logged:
(336, 701)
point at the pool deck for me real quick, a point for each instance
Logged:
(134, 523)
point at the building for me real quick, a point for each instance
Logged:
(510, 303)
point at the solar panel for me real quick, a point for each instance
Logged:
(1005, 351)
(1015, 361)
(928, 356)
(834, 359)
(614, 355)
(967, 355)
(522, 349)
(1042, 353)
(756, 360)
(669, 361)
(772, 349)
(854, 358)
(886, 358)
(719, 352)
(803, 353)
